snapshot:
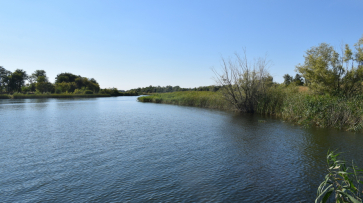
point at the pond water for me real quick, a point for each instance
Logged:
(120, 150)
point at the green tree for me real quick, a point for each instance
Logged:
(17, 80)
(4, 79)
(176, 88)
(39, 81)
(287, 79)
(25, 88)
(359, 51)
(324, 69)
(37, 74)
(85, 83)
(66, 77)
(62, 87)
(298, 80)
(41, 84)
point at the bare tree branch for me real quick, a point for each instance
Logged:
(242, 83)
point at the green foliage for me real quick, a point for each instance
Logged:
(289, 103)
(25, 89)
(78, 91)
(111, 91)
(42, 84)
(90, 84)
(49, 95)
(325, 72)
(88, 92)
(322, 68)
(68, 82)
(287, 79)
(324, 111)
(38, 82)
(4, 79)
(32, 87)
(158, 89)
(298, 80)
(4, 96)
(359, 51)
(129, 93)
(63, 86)
(342, 183)
(205, 99)
(66, 77)
(115, 92)
(16, 80)
(273, 101)
(58, 90)
(35, 76)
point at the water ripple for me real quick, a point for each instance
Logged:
(119, 150)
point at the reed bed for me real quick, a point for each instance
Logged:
(308, 109)
(325, 111)
(290, 104)
(205, 99)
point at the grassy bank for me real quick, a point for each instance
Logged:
(30, 96)
(291, 104)
(190, 98)
(325, 111)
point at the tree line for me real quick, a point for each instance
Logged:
(325, 70)
(20, 81)
(168, 88)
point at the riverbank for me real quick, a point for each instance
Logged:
(203, 99)
(33, 96)
(290, 104)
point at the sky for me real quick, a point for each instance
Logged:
(130, 44)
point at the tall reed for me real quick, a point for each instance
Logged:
(288, 103)
(190, 98)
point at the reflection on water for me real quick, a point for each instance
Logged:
(116, 149)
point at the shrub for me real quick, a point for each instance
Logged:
(58, 91)
(88, 92)
(78, 91)
(342, 183)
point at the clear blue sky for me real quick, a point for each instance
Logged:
(130, 44)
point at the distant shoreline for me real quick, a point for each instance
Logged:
(36, 96)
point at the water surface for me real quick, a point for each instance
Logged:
(119, 150)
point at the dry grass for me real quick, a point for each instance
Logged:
(303, 89)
